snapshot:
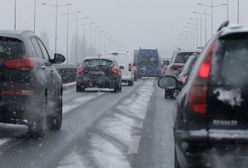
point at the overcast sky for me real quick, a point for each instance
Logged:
(135, 23)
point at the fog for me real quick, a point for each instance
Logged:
(131, 23)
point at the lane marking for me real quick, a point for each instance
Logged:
(134, 146)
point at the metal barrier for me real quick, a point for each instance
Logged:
(67, 72)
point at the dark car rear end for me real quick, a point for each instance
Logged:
(98, 72)
(212, 118)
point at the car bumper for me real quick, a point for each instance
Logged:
(18, 109)
(200, 147)
(100, 82)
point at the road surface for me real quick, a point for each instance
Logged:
(101, 129)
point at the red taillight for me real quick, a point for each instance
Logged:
(80, 70)
(198, 91)
(17, 92)
(115, 69)
(184, 78)
(20, 64)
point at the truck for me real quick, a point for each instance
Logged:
(148, 63)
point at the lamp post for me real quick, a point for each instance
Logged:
(212, 6)
(192, 29)
(195, 27)
(15, 15)
(67, 30)
(205, 14)
(238, 9)
(34, 15)
(56, 6)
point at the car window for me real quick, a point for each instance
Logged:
(182, 57)
(11, 47)
(98, 62)
(43, 49)
(36, 47)
(234, 62)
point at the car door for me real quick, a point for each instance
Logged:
(53, 83)
(42, 73)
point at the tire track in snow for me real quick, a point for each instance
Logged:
(108, 144)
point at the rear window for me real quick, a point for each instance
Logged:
(230, 66)
(182, 57)
(97, 62)
(11, 47)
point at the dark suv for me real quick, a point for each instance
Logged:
(211, 118)
(98, 72)
(30, 87)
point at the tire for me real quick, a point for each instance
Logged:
(39, 125)
(176, 164)
(55, 121)
(79, 88)
(130, 83)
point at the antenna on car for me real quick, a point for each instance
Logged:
(223, 25)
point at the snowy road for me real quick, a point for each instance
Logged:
(100, 130)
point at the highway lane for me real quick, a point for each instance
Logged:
(100, 130)
(137, 133)
(85, 109)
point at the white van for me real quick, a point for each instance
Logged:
(125, 62)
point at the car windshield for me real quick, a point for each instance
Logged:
(124, 84)
(10, 47)
(183, 57)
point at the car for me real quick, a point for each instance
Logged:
(211, 118)
(183, 76)
(30, 88)
(179, 58)
(125, 61)
(98, 72)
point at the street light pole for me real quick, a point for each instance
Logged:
(212, 18)
(56, 19)
(15, 15)
(227, 9)
(56, 27)
(34, 15)
(212, 6)
(238, 8)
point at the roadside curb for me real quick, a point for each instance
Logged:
(69, 85)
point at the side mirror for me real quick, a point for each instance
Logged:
(58, 59)
(122, 68)
(168, 82)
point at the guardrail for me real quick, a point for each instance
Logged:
(67, 72)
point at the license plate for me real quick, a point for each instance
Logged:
(97, 73)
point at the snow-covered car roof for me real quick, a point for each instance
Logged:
(234, 29)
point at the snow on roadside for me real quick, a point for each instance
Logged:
(119, 127)
(73, 161)
(107, 144)
(78, 102)
(107, 154)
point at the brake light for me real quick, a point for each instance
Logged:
(184, 78)
(198, 92)
(80, 70)
(24, 64)
(17, 92)
(115, 69)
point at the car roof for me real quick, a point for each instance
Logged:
(234, 29)
(112, 59)
(16, 33)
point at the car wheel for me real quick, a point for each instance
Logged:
(79, 89)
(38, 126)
(55, 121)
(176, 164)
(120, 88)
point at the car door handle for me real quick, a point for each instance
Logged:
(43, 67)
